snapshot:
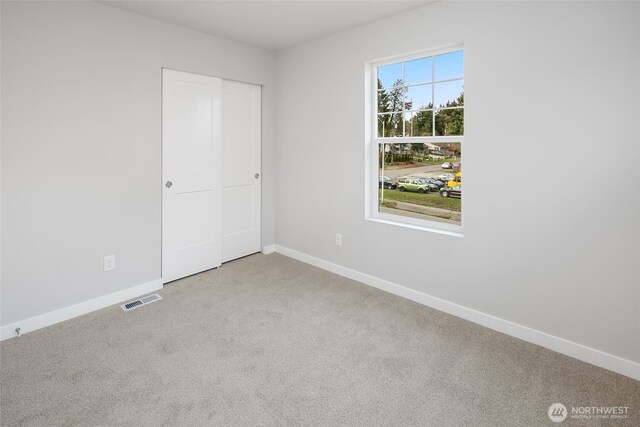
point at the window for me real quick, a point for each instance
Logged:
(417, 106)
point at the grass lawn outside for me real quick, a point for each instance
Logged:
(425, 161)
(428, 161)
(433, 200)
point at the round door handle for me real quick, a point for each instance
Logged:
(168, 184)
(257, 175)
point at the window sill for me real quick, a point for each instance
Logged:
(421, 224)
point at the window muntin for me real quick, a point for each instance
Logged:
(418, 138)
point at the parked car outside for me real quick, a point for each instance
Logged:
(434, 181)
(451, 191)
(446, 177)
(456, 181)
(413, 184)
(447, 165)
(387, 182)
(425, 180)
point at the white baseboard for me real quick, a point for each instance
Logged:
(578, 351)
(53, 317)
(268, 249)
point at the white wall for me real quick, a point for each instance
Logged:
(551, 208)
(81, 146)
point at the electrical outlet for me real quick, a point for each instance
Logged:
(109, 262)
(338, 239)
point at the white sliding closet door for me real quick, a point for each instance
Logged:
(191, 169)
(241, 160)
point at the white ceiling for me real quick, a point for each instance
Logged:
(269, 24)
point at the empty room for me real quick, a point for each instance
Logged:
(242, 213)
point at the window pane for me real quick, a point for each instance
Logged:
(389, 125)
(449, 66)
(418, 98)
(388, 75)
(450, 122)
(419, 123)
(391, 100)
(449, 94)
(418, 71)
(421, 181)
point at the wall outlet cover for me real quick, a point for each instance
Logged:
(109, 262)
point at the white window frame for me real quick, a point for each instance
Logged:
(372, 142)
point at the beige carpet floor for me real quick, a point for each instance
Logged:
(267, 340)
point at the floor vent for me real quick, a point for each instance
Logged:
(140, 302)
